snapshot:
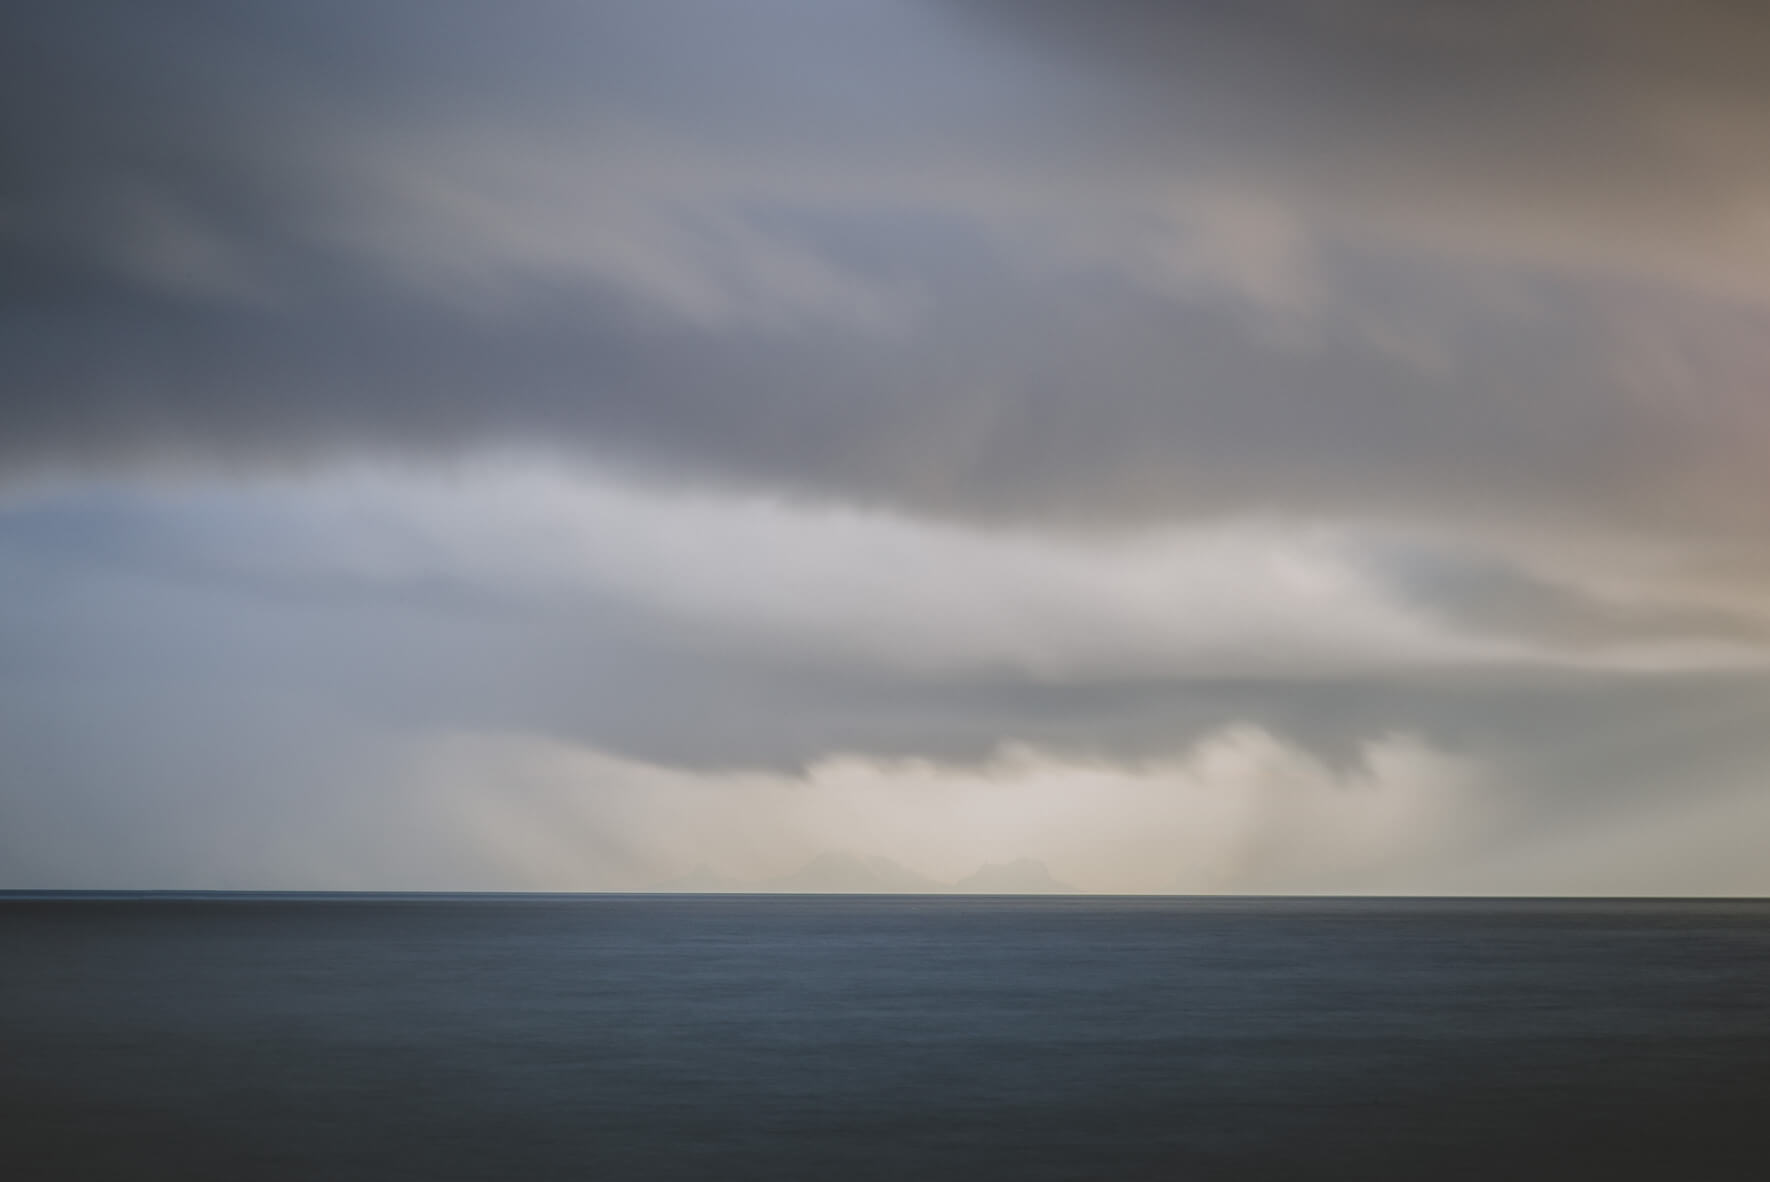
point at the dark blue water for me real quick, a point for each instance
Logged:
(882, 1038)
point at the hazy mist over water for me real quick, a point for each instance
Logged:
(954, 1040)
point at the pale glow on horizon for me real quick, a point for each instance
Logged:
(1243, 812)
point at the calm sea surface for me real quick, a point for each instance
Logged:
(646, 1037)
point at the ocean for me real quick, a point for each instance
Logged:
(849, 1038)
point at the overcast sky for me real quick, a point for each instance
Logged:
(1288, 445)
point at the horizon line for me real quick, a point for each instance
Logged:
(8, 894)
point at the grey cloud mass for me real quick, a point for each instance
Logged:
(794, 248)
(1374, 391)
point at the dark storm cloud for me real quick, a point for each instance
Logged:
(1641, 119)
(1103, 402)
(909, 255)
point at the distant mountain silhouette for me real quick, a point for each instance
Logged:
(701, 880)
(845, 873)
(1022, 876)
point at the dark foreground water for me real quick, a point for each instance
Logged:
(610, 1038)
